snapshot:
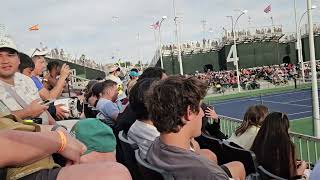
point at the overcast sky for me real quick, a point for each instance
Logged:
(88, 26)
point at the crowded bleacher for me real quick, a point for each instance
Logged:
(152, 127)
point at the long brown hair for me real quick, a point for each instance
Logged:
(273, 147)
(254, 116)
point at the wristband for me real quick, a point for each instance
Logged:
(63, 141)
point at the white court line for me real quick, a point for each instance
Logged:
(235, 101)
(299, 113)
(284, 103)
(299, 100)
(284, 93)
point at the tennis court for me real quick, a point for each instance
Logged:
(297, 104)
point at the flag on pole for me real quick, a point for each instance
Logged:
(155, 25)
(267, 9)
(34, 28)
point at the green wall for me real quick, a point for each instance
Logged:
(251, 55)
(191, 62)
(82, 71)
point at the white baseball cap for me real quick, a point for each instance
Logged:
(6, 42)
(37, 52)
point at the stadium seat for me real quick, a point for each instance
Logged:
(234, 153)
(214, 145)
(3, 173)
(150, 172)
(127, 149)
(266, 175)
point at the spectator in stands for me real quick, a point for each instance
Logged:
(18, 93)
(249, 128)
(106, 104)
(128, 117)
(134, 75)
(26, 67)
(142, 130)
(98, 138)
(39, 61)
(51, 78)
(174, 107)
(315, 172)
(25, 148)
(153, 72)
(211, 122)
(113, 74)
(95, 94)
(88, 110)
(273, 138)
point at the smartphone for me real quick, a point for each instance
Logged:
(47, 102)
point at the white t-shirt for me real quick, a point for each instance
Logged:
(25, 88)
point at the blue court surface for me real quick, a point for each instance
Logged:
(297, 104)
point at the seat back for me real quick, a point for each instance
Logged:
(150, 172)
(266, 175)
(248, 158)
(3, 173)
(214, 145)
(127, 149)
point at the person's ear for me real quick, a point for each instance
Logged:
(188, 115)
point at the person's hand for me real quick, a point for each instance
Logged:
(60, 112)
(74, 149)
(301, 167)
(35, 108)
(65, 71)
(210, 113)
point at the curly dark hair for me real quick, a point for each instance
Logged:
(169, 99)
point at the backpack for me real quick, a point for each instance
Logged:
(11, 122)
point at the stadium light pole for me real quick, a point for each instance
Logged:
(177, 38)
(315, 97)
(160, 43)
(298, 35)
(235, 54)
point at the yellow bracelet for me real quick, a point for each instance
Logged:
(63, 141)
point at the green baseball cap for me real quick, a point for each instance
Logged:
(96, 135)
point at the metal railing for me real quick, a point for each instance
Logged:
(307, 147)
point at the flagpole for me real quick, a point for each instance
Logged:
(177, 38)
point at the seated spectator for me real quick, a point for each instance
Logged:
(142, 131)
(134, 75)
(128, 117)
(249, 128)
(39, 61)
(274, 149)
(18, 93)
(88, 110)
(174, 107)
(106, 105)
(25, 151)
(98, 138)
(315, 172)
(26, 65)
(211, 123)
